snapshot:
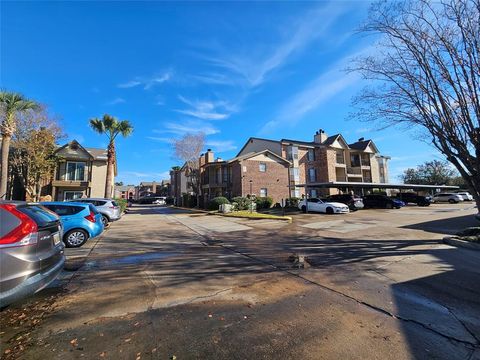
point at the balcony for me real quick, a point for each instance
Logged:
(71, 183)
(354, 171)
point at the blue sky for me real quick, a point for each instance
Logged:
(231, 70)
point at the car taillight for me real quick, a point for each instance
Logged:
(90, 217)
(24, 234)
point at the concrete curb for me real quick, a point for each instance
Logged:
(287, 218)
(461, 243)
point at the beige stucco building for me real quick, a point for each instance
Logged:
(80, 172)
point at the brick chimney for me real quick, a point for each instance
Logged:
(201, 160)
(209, 156)
(320, 136)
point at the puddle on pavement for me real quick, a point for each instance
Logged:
(133, 259)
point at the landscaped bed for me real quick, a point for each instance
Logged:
(468, 238)
(253, 215)
(471, 234)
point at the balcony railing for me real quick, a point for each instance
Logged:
(354, 170)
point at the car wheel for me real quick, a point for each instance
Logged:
(104, 220)
(304, 209)
(75, 238)
(329, 211)
(388, 206)
(451, 201)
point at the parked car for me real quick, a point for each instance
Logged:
(413, 198)
(353, 202)
(317, 205)
(159, 201)
(451, 198)
(382, 201)
(80, 221)
(31, 250)
(465, 195)
(107, 207)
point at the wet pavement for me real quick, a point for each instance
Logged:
(164, 282)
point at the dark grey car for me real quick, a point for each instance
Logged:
(31, 250)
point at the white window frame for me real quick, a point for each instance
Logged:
(265, 190)
(73, 198)
(264, 165)
(67, 173)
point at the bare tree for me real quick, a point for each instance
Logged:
(188, 149)
(425, 74)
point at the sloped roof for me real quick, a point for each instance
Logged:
(252, 154)
(97, 153)
(362, 145)
(256, 138)
(308, 143)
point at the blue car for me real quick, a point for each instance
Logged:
(80, 221)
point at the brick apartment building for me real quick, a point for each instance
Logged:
(262, 173)
(326, 161)
(285, 168)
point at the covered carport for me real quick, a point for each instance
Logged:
(362, 187)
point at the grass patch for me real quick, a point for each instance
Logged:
(255, 215)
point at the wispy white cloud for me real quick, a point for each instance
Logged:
(221, 145)
(189, 126)
(159, 138)
(254, 65)
(326, 86)
(143, 175)
(207, 110)
(147, 82)
(116, 101)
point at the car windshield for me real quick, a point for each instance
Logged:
(315, 200)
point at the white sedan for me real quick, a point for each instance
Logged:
(317, 205)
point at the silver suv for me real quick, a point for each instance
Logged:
(107, 207)
(448, 197)
(31, 249)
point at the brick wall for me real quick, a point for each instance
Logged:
(275, 179)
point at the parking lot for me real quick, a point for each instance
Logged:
(163, 282)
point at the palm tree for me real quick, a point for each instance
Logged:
(11, 106)
(111, 126)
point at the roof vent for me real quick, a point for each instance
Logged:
(361, 139)
(208, 150)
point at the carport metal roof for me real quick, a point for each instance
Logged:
(364, 185)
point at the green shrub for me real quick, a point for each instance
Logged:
(122, 203)
(215, 203)
(264, 202)
(293, 202)
(189, 201)
(241, 203)
(471, 231)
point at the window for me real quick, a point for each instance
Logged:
(64, 210)
(311, 155)
(355, 160)
(263, 192)
(262, 167)
(340, 157)
(295, 174)
(312, 175)
(75, 171)
(71, 195)
(313, 193)
(292, 153)
(295, 193)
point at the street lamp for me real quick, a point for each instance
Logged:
(251, 191)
